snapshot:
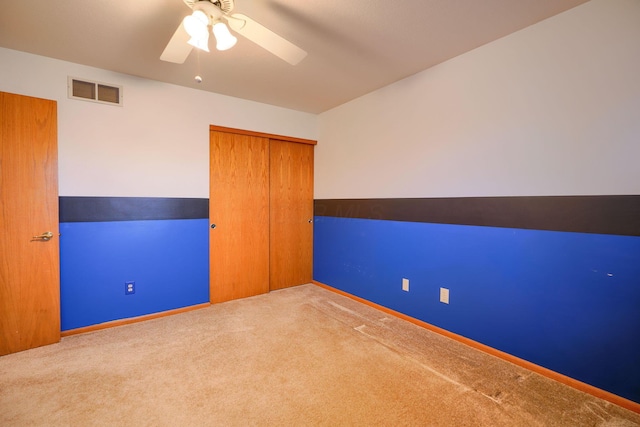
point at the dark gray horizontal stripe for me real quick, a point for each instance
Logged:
(97, 209)
(584, 214)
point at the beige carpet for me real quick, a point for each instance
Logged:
(295, 357)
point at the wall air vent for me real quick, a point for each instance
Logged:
(94, 91)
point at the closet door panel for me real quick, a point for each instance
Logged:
(291, 213)
(239, 208)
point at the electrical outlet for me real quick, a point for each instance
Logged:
(405, 285)
(444, 295)
(129, 288)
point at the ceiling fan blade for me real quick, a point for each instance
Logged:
(266, 38)
(177, 49)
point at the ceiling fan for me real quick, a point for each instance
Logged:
(194, 32)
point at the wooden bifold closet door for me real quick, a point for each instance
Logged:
(261, 212)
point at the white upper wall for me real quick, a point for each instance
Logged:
(155, 145)
(553, 109)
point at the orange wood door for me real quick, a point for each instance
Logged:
(239, 207)
(29, 268)
(291, 206)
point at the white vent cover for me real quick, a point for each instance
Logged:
(88, 90)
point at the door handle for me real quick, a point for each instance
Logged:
(46, 236)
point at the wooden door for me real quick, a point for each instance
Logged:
(239, 208)
(29, 268)
(291, 206)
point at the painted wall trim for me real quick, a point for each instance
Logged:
(262, 135)
(578, 385)
(618, 215)
(99, 209)
(130, 320)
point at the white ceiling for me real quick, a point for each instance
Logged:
(354, 46)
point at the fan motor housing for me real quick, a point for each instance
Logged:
(225, 5)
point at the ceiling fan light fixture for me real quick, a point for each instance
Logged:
(224, 39)
(194, 32)
(196, 24)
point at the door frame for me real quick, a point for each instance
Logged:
(262, 135)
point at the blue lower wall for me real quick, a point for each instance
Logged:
(567, 301)
(167, 259)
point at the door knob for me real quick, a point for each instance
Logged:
(46, 236)
(310, 220)
(213, 226)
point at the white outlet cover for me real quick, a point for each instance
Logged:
(405, 285)
(444, 295)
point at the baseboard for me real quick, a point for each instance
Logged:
(571, 382)
(131, 320)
